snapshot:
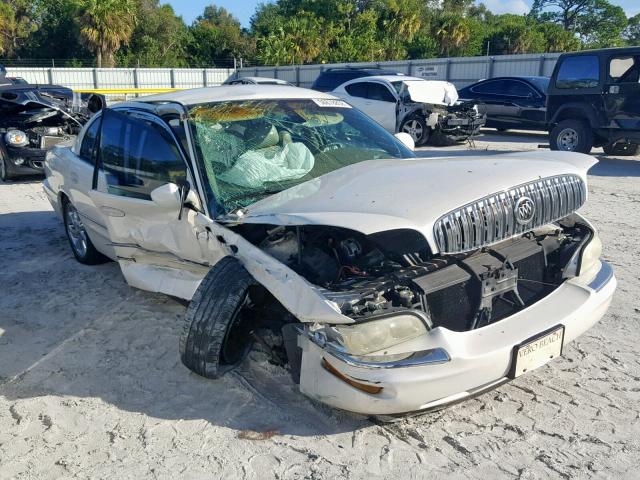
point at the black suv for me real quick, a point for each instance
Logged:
(594, 101)
(331, 78)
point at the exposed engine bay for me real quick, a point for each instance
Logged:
(370, 275)
(35, 118)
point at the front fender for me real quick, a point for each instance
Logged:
(301, 298)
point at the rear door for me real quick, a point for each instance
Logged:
(79, 178)
(622, 92)
(376, 100)
(159, 248)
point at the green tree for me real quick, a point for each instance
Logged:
(16, 24)
(598, 23)
(158, 40)
(106, 25)
(216, 35)
(631, 34)
(515, 34)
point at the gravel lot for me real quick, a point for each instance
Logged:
(91, 385)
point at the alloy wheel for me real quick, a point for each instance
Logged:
(76, 231)
(413, 128)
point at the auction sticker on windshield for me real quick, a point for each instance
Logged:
(331, 102)
(536, 352)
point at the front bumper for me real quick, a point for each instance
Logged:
(461, 127)
(477, 360)
(26, 161)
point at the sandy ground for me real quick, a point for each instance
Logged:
(91, 385)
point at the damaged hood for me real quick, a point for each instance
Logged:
(431, 91)
(37, 102)
(379, 195)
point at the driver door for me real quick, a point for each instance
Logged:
(160, 245)
(376, 100)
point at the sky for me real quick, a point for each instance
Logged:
(243, 9)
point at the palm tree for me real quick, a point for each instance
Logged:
(107, 24)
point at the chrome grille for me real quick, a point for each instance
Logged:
(493, 218)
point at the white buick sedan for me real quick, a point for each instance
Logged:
(387, 283)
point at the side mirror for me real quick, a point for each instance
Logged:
(407, 140)
(167, 196)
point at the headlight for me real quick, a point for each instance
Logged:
(584, 258)
(591, 254)
(380, 334)
(16, 138)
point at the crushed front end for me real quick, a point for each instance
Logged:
(33, 119)
(430, 327)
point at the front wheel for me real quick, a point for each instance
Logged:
(79, 240)
(571, 136)
(622, 149)
(416, 126)
(217, 327)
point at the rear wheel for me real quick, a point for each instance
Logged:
(416, 126)
(571, 136)
(79, 240)
(622, 149)
(218, 325)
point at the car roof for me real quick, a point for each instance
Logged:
(233, 93)
(389, 78)
(357, 69)
(604, 51)
(260, 79)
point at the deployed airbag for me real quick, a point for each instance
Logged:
(274, 164)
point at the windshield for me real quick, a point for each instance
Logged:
(251, 149)
(541, 83)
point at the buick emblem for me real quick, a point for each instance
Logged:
(524, 210)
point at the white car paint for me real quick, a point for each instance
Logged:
(365, 196)
(159, 252)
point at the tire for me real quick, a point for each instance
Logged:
(5, 176)
(216, 332)
(622, 149)
(571, 136)
(79, 240)
(416, 126)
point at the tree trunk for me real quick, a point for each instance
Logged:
(99, 57)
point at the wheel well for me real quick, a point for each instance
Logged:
(63, 199)
(571, 114)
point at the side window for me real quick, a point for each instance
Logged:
(624, 70)
(581, 71)
(377, 91)
(358, 89)
(518, 89)
(87, 149)
(137, 156)
(495, 87)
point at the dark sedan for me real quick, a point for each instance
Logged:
(510, 102)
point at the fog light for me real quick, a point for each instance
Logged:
(18, 161)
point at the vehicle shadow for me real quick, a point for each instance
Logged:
(69, 330)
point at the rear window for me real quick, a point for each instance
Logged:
(624, 69)
(582, 71)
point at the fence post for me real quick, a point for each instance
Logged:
(172, 74)
(275, 72)
(409, 67)
(490, 67)
(446, 69)
(255, 72)
(297, 75)
(541, 66)
(136, 84)
(205, 80)
(50, 75)
(95, 78)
